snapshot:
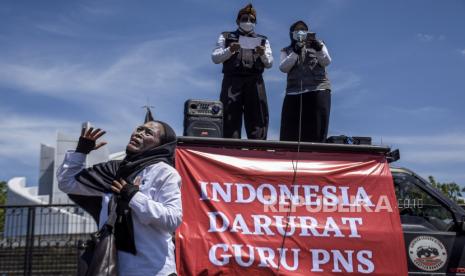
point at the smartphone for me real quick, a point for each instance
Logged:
(311, 36)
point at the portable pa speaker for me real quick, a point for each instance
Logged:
(203, 118)
(354, 140)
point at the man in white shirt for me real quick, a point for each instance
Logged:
(148, 194)
(244, 55)
(306, 107)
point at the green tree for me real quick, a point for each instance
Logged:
(451, 189)
(2, 203)
(2, 193)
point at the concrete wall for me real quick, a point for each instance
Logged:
(46, 169)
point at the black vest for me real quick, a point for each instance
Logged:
(235, 64)
(308, 75)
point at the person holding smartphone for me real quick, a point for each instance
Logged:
(307, 104)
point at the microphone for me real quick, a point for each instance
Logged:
(303, 52)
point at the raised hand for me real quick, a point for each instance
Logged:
(87, 140)
(317, 45)
(234, 47)
(260, 50)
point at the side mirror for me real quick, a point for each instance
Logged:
(393, 156)
(461, 225)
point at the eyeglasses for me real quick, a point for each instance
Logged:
(247, 18)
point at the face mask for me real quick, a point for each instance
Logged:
(299, 36)
(247, 26)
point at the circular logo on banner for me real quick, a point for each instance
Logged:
(427, 253)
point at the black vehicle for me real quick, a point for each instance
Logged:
(433, 225)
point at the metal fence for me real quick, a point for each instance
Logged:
(42, 239)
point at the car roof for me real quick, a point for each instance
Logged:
(401, 170)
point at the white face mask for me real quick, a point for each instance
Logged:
(247, 26)
(299, 36)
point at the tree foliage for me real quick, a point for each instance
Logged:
(2, 203)
(2, 193)
(451, 189)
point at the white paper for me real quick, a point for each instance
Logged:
(249, 42)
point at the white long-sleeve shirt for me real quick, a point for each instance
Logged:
(221, 53)
(288, 61)
(156, 209)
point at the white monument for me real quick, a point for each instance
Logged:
(50, 220)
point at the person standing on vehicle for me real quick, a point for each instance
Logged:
(147, 190)
(307, 103)
(244, 54)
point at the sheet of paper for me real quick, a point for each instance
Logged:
(249, 42)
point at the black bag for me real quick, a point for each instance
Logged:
(100, 256)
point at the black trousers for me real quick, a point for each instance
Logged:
(244, 95)
(316, 106)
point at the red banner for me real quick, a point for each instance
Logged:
(262, 212)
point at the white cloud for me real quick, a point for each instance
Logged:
(275, 76)
(425, 37)
(462, 52)
(21, 136)
(347, 89)
(430, 37)
(61, 29)
(430, 155)
(95, 9)
(442, 176)
(439, 155)
(145, 69)
(161, 71)
(158, 70)
(431, 149)
(273, 133)
(342, 80)
(450, 139)
(418, 111)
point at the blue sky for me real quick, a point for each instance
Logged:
(398, 71)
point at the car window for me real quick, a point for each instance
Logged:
(417, 207)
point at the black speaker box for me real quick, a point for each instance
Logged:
(360, 140)
(354, 140)
(203, 118)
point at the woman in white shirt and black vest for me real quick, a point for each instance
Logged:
(307, 104)
(244, 55)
